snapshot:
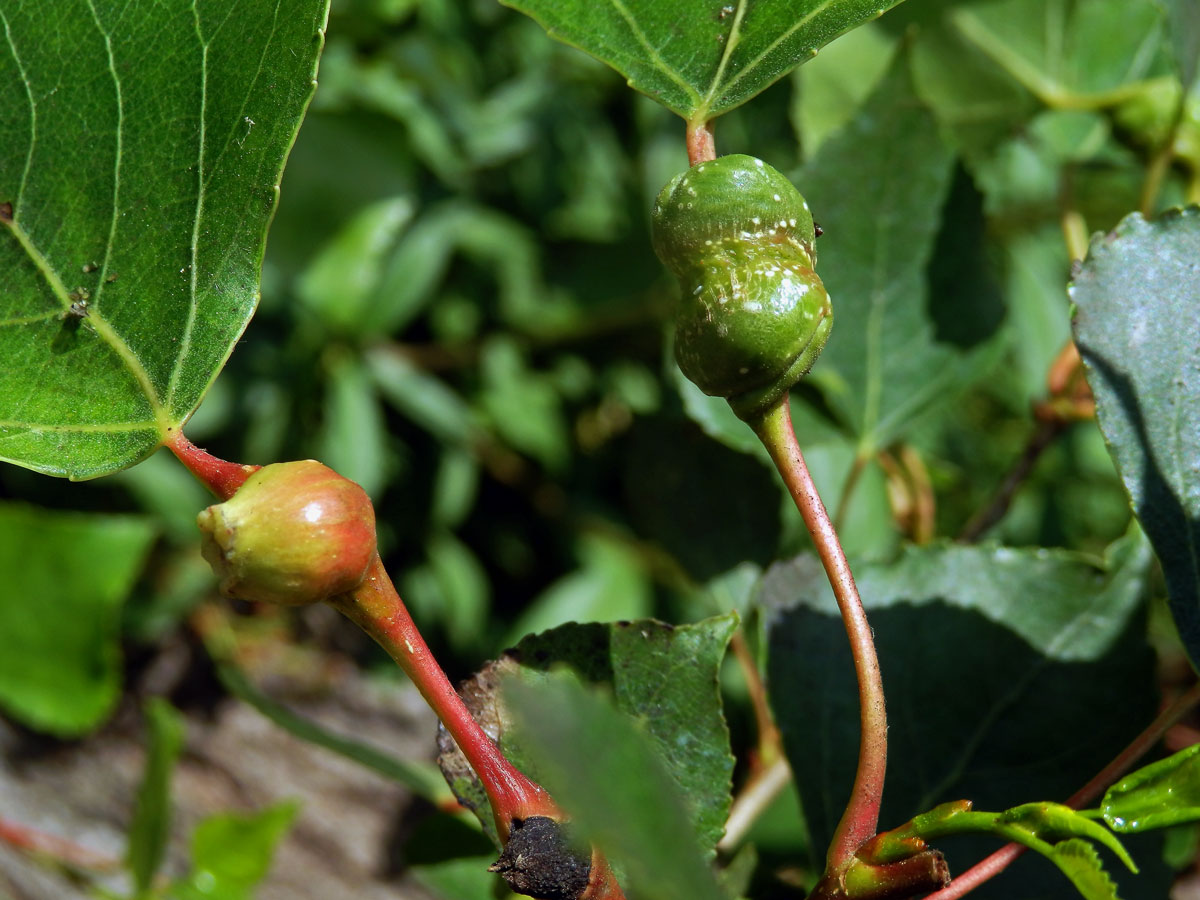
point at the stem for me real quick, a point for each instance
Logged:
(221, 477)
(859, 821)
(1122, 762)
(700, 144)
(1047, 432)
(770, 744)
(753, 801)
(376, 608)
(61, 850)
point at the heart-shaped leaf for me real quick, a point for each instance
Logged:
(701, 58)
(141, 146)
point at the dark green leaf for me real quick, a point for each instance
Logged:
(877, 188)
(65, 579)
(998, 663)
(150, 829)
(619, 795)
(1163, 793)
(1136, 298)
(232, 853)
(140, 157)
(701, 58)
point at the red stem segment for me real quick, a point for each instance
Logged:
(219, 476)
(378, 610)
(859, 821)
(700, 144)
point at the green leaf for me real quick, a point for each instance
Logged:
(877, 188)
(1080, 862)
(620, 796)
(663, 677)
(1163, 793)
(1136, 298)
(65, 579)
(341, 282)
(231, 853)
(140, 156)
(1069, 53)
(998, 664)
(151, 824)
(699, 58)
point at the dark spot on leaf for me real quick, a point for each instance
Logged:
(6, 212)
(111, 278)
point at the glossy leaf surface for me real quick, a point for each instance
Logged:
(1163, 793)
(1137, 297)
(140, 155)
(701, 58)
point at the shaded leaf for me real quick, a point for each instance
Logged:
(621, 796)
(65, 579)
(998, 663)
(1136, 298)
(701, 58)
(138, 178)
(150, 829)
(1163, 793)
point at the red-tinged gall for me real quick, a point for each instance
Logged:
(294, 533)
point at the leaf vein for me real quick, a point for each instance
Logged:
(774, 45)
(652, 51)
(32, 114)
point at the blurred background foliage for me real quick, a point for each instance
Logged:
(461, 311)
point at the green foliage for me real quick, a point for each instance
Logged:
(1136, 299)
(150, 829)
(700, 59)
(1164, 793)
(232, 853)
(461, 310)
(136, 185)
(66, 578)
(622, 815)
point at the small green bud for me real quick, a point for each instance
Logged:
(754, 315)
(294, 533)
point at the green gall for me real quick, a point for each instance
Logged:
(754, 315)
(294, 533)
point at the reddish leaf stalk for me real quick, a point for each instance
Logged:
(219, 476)
(31, 840)
(861, 816)
(378, 610)
(700, 144)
